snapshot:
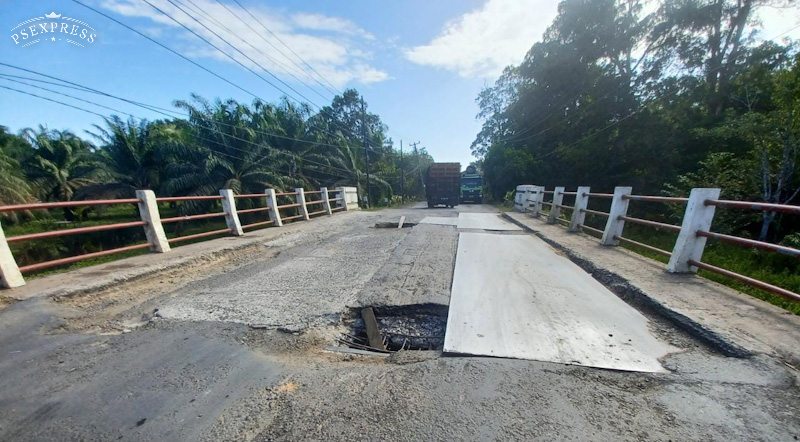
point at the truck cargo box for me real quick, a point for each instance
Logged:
(443, 184)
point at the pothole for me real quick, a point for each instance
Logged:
(393, 225)
(406, 327)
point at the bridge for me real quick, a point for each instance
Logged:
(401, 323)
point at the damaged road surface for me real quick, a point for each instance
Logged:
(239, 351)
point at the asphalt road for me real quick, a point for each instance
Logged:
(240, 355)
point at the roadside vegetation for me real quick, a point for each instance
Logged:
(687, 95)
(221, 144)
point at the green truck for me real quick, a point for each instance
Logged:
(471, 186)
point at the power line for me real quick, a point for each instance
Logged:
(168, 48)
(255, 32)
(334, 91)
(286, 46)
(54, 101)
(227, 54)
(59, 93)
(283, 152)
(152, 108)
(267, 56)
(233, 58)
(77, 86)
(217, 152)
(199, 65)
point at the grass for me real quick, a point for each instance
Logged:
(782, 271)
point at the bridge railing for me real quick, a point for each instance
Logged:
(692, 235)
(294, 207)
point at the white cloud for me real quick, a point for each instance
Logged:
(318, 22)
(338, 49)
(481, 43)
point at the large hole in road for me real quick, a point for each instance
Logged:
(406, 327)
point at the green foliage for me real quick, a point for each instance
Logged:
(14, 189)
(134, 152)
(60, 163)
(666, 101)
(222, 144)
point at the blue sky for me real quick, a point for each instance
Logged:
(419, 64)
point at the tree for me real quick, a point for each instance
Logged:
(224, 149)
(134, 152)
(709, 36)
(348, 123)
(556, 106)
(776, 139)
(60, 163)
(14, 188)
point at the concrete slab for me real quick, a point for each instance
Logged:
(513, 296)
(419, 270)
(485, 221)
(711, 311)
(440, 220)
(301, 287)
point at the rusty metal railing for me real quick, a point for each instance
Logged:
(152, 223)
(691, 234)
(66, 232)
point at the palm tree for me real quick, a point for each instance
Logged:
(348, 159)
(60, 163)
(14, 189)
(225, 150)
(133, 152)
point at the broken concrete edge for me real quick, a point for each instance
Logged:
(355, 351)
(642, 301)
(148, 273)
(170, 263)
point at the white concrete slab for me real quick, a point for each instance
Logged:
(440, 220)
(485, 221)
(513, 296)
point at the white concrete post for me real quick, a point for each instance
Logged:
(351, 198)
(301, 199)
(231, 215)
(326, 202)
(698, 216)
(578, 214)
(342, 198)
(272, 203)
(619, 207)
(10, 276)
(153, 230)
(537, 196)
(555, 210)
(522, 197)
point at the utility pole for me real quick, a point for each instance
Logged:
(416, 154)
(366, 153)
(402, 176)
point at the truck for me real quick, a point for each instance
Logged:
(443, 184)
(471, 186)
